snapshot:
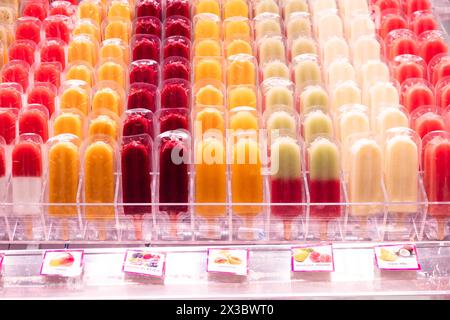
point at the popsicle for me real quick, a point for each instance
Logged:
(416, 5)
(176, 68)
(8, 124)
(209, 95)
(298, 24)
(281, 120)
(278, 95)
(22, 50)
(306, 69)
(422, 21)
(383, 94)
(432, 43)
(177, 26)
(34, 119)
(235, 8)
(37, 9)
(173, 119)
(146, 71)
(117, 28)
(149, 8)
(111, 70)
(318, 6)
(349, 7)
(176, 46)
(286, 183)
(313, 96)
(247, 181)
(175, 93)
(27, 179)
(17, 72)
(69, 121)
(267, 24)
(437, 177)
(8, 14)
(136, 163)
(292, 6)
(303, 45)
(28, 28)
(138, 122)
(345, 93)
(237, 27)
(243, 119)
(416, 93)
(242, 96)
(80, 71)
(107, 98)
(207, 26)
(408, 66)
(365, 178)
(119, 9)
(210, 182)
(208, 48)
(360, 25)
(385, 5)
(391, 20)
(208, 68)
(64, 161)
(65, 8)
(427, 119)
(317, 123)
(173, 177)
(103, 125)
(57, 27)
(266, 6)
(75, 94)
(275, 69)
(241, 70)
(238, 46)
(324, 182)
(178, 7)
(401, 171)
(366, 48)
(91, 9)
(334, 48)
(400, 42)
(438, 68)
(372, 72)
(209, 120)
(48, 72)
(44, 94)
(99, 184)
(390, 117)
(328, 25)
(10, 96)
(82, 48)
(144, 96)
(208, 6)
(53, 50)
(340, 70)
(443, 93)
(147, 25)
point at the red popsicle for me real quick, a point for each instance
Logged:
(178, 7)
(177, 46)
(416, 93)
(34, 119)
(399, 42)
(408, 66)
(64, 8)
(146, 71)
(432, 43)
(176, 68)
(138, 121)
(48, 72)
(177, 26)
(34, 8)
(427, 119)
(147, 25)
(16, 71)
(175, 93)
(151, 8)
(411, 6)
(144, 96)
(24, 50)
(44, 94)
(443, 93)
(28, 28)
(422, 21)
(173, 119)
(53, 50)
(391, 20)
(8, 124)
(439, 68)
(145, 46)
(384, 5)
(57, 27)
(10, 95)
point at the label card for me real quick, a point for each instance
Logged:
(312, 258)
(63, 263)
(233, 261)
(397, 257)
(145, 263)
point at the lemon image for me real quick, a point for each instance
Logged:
(301, 255)
(387, 255)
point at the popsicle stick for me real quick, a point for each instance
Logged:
(138, 220)
(249, 226)
(102, 231)
(210, 232)
(440, 228)
(29, 228)
(65, 230)
(173, 220)
(287, 230)
(324, 230)
(399, 223)
(363, 224)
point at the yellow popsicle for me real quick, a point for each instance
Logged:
(243, 120)
(118, 28)
(208, 48)
(111, 71)
(276, 69)
(210, 119)
(246, 178)
(87, 27)
(279, 96)
(209, 95)
(81, 72)
(107, 98)
(237, 27)
(63, 171)
(82, 48)
(207, 27)
(91, 9)
(68, 122)
(208, 68)
(208, 6)
(114, 49)
(119, 9)
(240, 71)
(235, 8)
(238, 46)
(241, 96)
(104, 125)
(99, 182)
(77, 98)
(210, 178)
